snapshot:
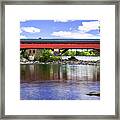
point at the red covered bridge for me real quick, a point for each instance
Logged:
(60, 43)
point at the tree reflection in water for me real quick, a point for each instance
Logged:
(55, 81)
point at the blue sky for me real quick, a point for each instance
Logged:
(75, 29)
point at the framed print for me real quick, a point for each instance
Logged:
(59, 59)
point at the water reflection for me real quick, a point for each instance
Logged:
(59, 82)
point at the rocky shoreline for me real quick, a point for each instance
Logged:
(70, 62)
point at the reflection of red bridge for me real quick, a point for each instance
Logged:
(60, 43)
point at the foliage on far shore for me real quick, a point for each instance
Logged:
(82, 53)
(24, 54)
(47, 55)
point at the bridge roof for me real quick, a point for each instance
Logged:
(60, 40)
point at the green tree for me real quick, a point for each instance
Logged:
(24, 54)
(72, 53)
(46, 55)
(38, 54)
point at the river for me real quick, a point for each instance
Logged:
(59, 82)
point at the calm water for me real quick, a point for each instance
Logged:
(59, 82)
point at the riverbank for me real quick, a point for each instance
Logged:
(70, 62)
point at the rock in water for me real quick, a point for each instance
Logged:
(93, 94)
(72, 58)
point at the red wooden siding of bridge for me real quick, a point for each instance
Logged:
(60, 45)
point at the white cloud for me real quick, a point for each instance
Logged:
(61, 33)
(62, 20)
(70, 28)
(24, 20)
(30, 29)
(20, 31)
(23, 37)
(87, 26)
(81, 32)
(75, 35)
